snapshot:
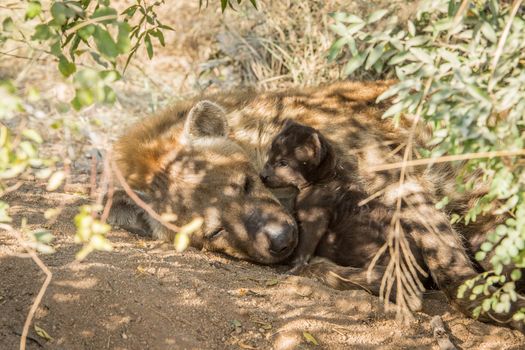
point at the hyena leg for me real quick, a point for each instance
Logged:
(347, 278)
(344, 277)
(444, 254)
(125, 213)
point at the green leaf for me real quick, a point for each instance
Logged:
(518, 316)
(374, 55)
(417, 41)
(486, 246)
(442, 203)
(399, 58)
(56, 48)
(163, 26)
(346, 31)
(454, 218)
(33, 9)
(411, 28)
(487, 303)
(376, 16)
(123, 40)
(149, 46)
(42, 32)
(353, 64)
(477, 289)
(480, 256)
(32, 135)
(43, 236)
(310, 338)
(86, 32)
(443, 24)
(515, 275)
(55, 180)
(103, 12)
(99, 242)
(65, 67)
(130, 11)
(105, 43)
(42, 333)
(8, 25)
(350, 18)
(394, 109)
(224, 4)
(421, 55)
(158, 34)
(450, 56)
(109, 76)
(489, 32)
(478, 93)
(336, 48)
(61, 13)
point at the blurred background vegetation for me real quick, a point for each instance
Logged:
(73, 73)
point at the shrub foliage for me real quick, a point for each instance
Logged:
(460, 68)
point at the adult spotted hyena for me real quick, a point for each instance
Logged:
(202, 158)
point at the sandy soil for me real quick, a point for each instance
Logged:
(144, 295)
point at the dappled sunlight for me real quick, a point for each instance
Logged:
(65, 297)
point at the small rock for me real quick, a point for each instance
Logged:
(124, 336)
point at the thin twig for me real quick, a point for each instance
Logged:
(139, 201)
(92, 21)
(40, 295)
(24, 57)
(515, 7)
(445, 159)
(11, 188)
(405, 295)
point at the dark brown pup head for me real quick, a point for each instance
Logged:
(299, 155)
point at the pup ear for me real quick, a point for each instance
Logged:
(205, 119)
(288, 123)
(311, 151)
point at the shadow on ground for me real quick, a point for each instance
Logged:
(143, 295)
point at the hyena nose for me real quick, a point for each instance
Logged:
(264, 174)
(264, 178)
(283, 239)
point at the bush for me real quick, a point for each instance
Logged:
(460, 69)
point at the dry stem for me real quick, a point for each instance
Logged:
(139, 201)
(445, 159)
(40, 295)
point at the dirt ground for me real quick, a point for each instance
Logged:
(144, 295)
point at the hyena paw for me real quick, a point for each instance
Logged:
(298, 266)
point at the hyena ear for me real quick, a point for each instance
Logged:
(205, 119)
(312, 151)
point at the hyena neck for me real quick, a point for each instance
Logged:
(333, 174)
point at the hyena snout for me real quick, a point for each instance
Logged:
(282, 238)
(277, 236)
(269, 178)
